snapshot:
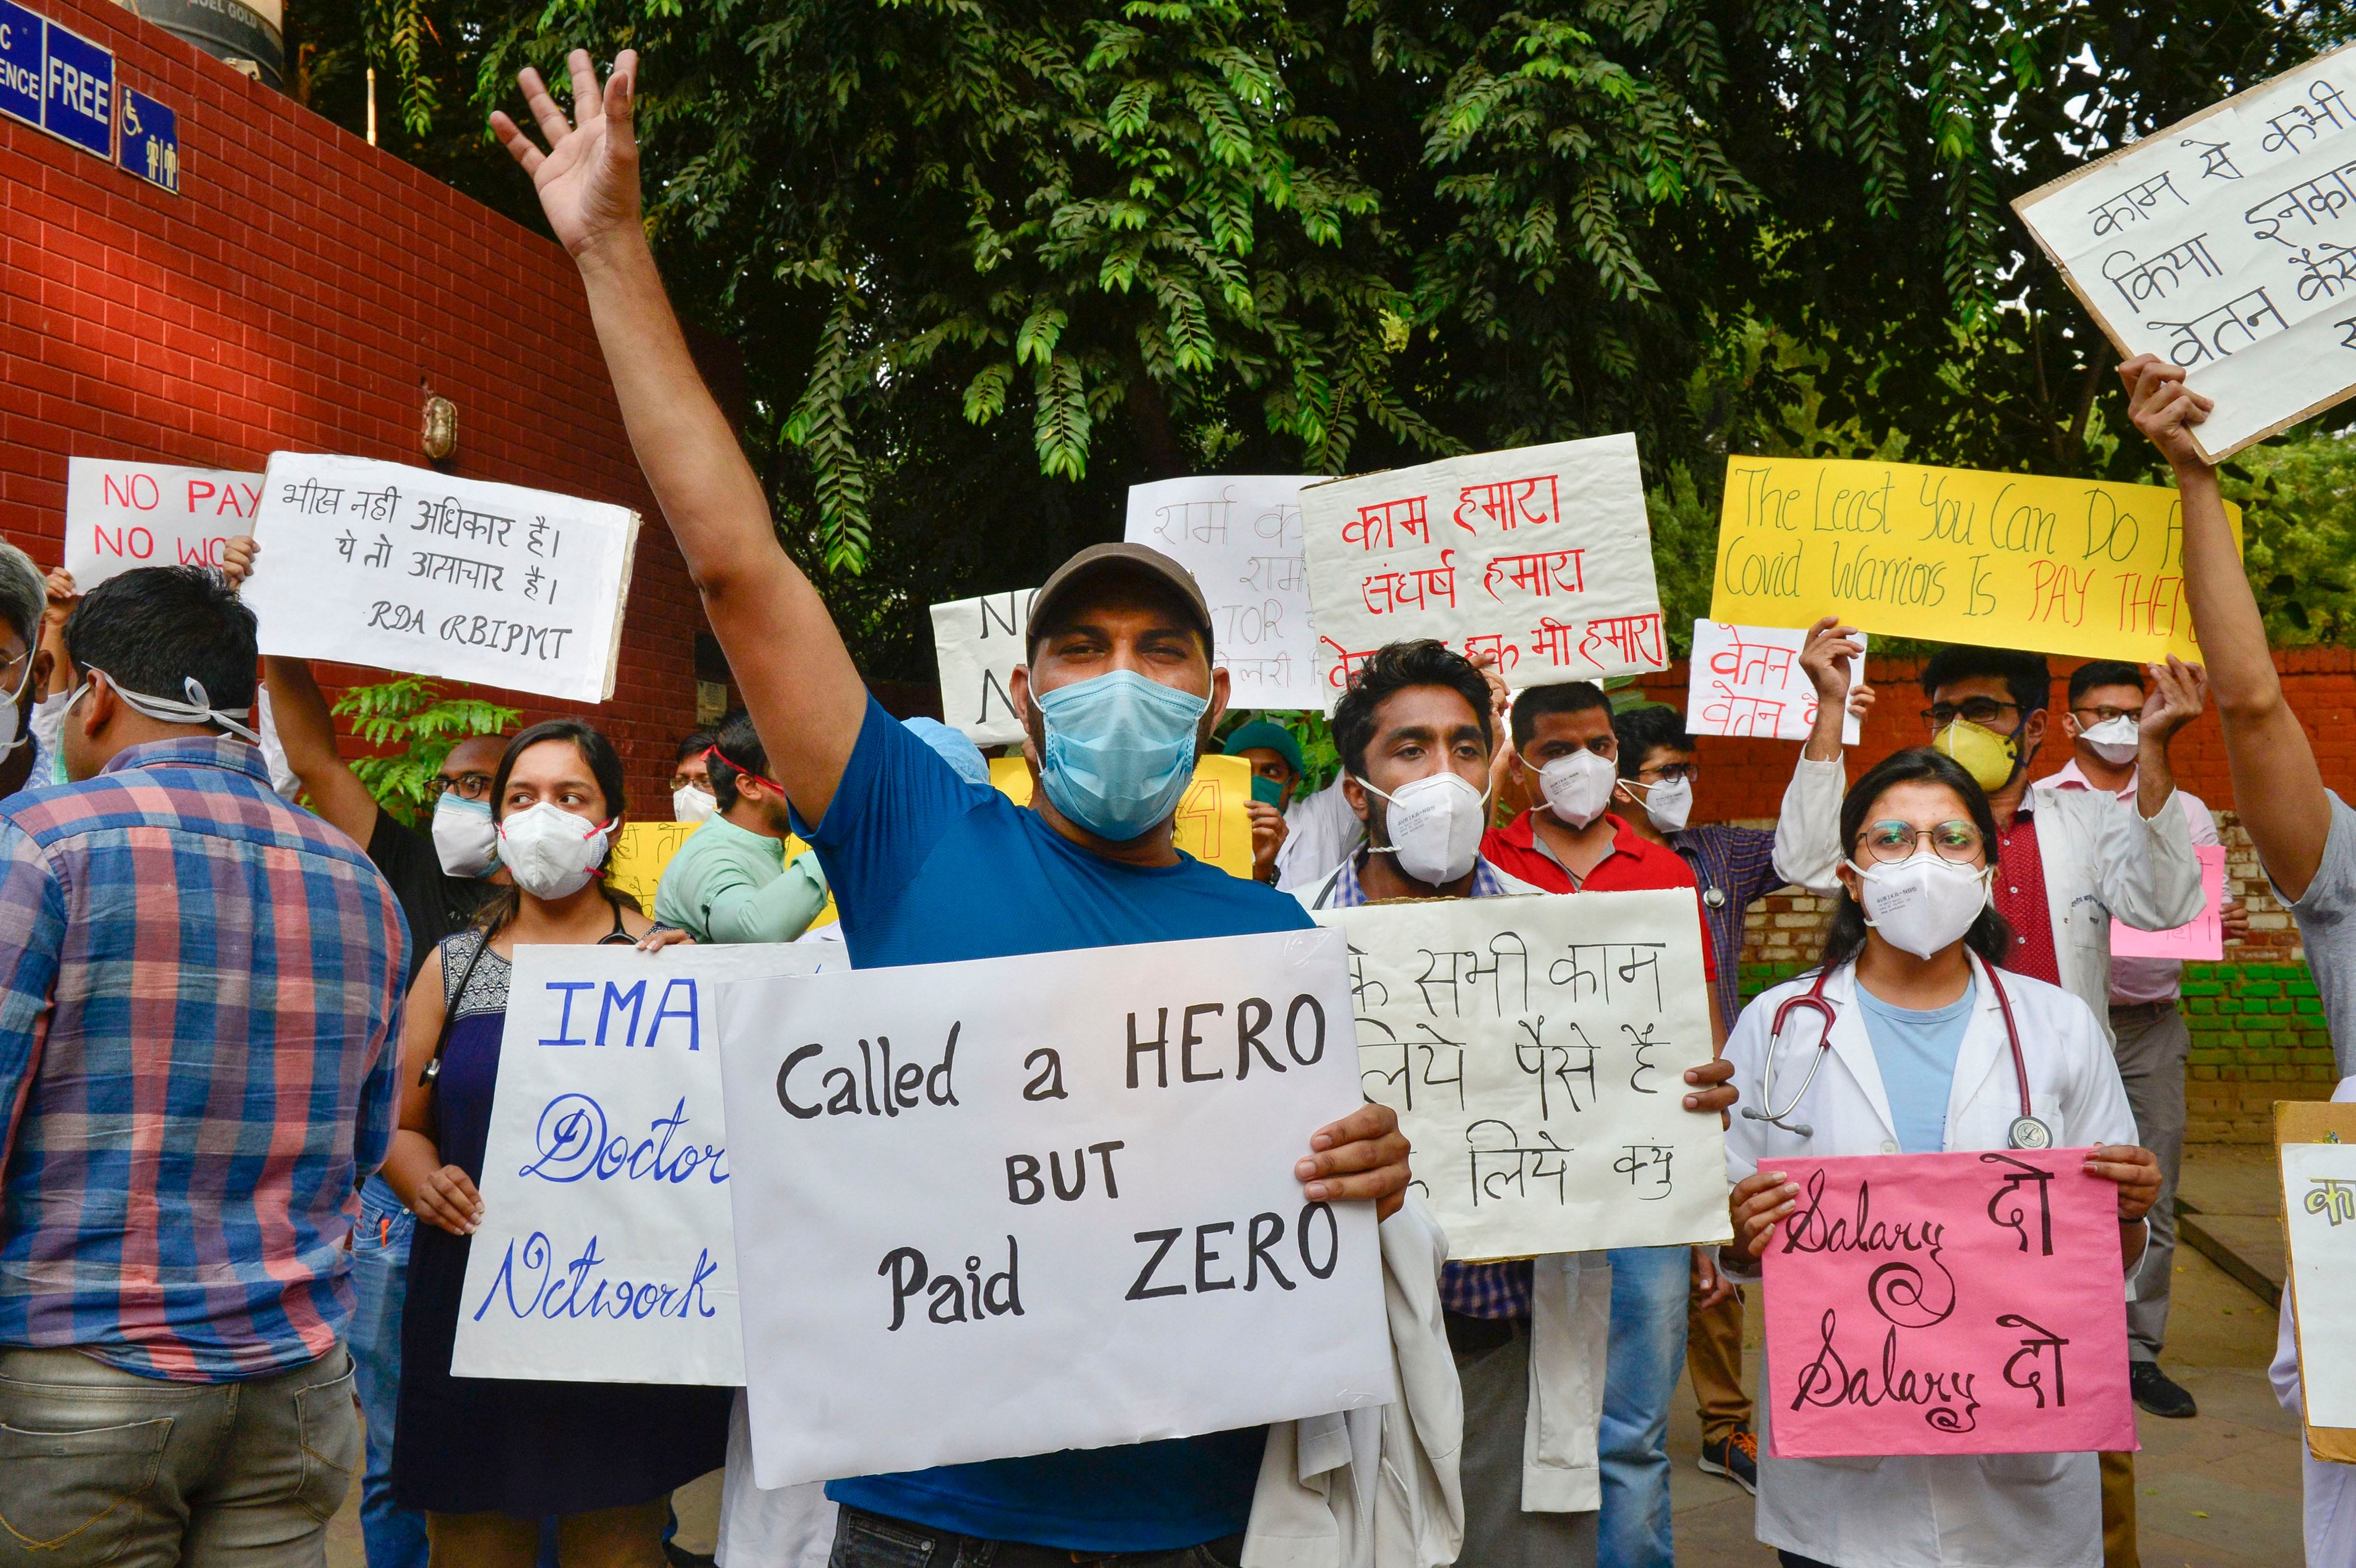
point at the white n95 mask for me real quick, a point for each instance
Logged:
(1922, 904)
(2115, 741)
(549, 852)
(1669, 803)
(465, 837)
(1578, 786)
(1434, 825)
(688, 804)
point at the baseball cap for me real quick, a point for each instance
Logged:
(1261, 735)
(1068, 581)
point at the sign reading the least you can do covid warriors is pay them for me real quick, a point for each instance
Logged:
(2227, 244)
(1241, 535)
(2007, 560)
(607, 1249)
(1048, 1200)
(123, 515)
(381, 563)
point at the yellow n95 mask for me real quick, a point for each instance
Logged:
(1991, 759)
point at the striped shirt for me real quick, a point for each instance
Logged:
(200, 1006)
(1737, 865)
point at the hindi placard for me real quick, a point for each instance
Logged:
(1049, 1199)
(1241, 535)
(1535, 1048)
(1747, 681)
(2006, 560)
(1965, 1303)
(2224, 243)
(2201, 939)
(606, 1252)
(1540, 557)
(2320, 1216)
(977, 642)
(124, 515)
(384, 564)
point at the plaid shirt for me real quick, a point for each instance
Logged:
(200, 1013)
(1471, 1290)
(1738, 865)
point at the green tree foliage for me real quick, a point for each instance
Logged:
(2298, 535)
(413, 715)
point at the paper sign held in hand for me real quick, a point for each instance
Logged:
(1241, 535)
(2201, 938)
(977, 642)
(385, 564)
(1540, 557)
(1747, 681)
(1211, 824)
(1965, 1303)
(124, 515)
(2316, 1143)
(1049, 1199)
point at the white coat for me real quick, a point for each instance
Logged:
(1992, 1510)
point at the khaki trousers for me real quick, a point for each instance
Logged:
(1714, 1362)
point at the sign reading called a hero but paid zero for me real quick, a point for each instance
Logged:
(1540, 557)
(381, 563)
(2059, 566)
(1049, 1199)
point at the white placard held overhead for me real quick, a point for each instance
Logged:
(2320, 1214)
(384, 564)
(977, 642)
(123, 515)
(608, 1248)
(1535, 1048)
(2227, 244)
(1540, 555)
(1047, 1200)
(1747, 681)
(1240, 536)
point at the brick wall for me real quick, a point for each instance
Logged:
(304, 291)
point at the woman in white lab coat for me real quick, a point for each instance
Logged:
(1919, 1062)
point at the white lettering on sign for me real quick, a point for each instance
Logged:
(78, 90)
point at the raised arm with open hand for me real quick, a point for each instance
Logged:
(800, 685)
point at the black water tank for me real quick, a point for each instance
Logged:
(243, 33)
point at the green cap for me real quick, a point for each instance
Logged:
(1261, 735)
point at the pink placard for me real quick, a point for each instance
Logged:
(2202, 937)
(1947, 1303)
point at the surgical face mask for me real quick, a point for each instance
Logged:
(465, 837)
(16, 737)
(550, 851)
(1578, 786)
(1668, 803)
(2114, 740)
(688, 804)
(1922, 904)
(1991, 759)
(1434, 826)
(1118, 750)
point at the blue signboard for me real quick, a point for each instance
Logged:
(78, 92)
(22, 52)
(150, 141)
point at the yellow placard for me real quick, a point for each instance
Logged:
(2009, 560)
(641, 850)
(1213, 824)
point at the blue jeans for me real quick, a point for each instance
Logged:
(394, 1536)
(1649, 1285)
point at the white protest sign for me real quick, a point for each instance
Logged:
(381, 563)
(1534, 1047)
(2223, 243)
(607, 1247)
(1240, 536)
(979, 642)
(1046, 1199)
(123, 515)
(1540, 555)
(2320, 1214)
(1747, 681)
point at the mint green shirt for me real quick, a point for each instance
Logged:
(727, 884)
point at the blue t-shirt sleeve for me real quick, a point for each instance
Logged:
(897, 798)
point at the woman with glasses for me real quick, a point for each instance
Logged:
(1906, 1049)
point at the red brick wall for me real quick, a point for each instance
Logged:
(301, 292)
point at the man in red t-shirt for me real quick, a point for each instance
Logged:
(1568, 758)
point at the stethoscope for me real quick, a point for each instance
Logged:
(2027, 1131)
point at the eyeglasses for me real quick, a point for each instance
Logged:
(470, 786)
(1672, 773)
(1894, 840)
(2089, 717)
(1981, 711)
(681, 781)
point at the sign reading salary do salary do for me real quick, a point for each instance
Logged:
(1048, 1199)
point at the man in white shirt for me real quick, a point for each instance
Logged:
(2106, 699)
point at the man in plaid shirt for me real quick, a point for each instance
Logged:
(199, 991)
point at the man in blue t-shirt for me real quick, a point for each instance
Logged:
(1119, 695)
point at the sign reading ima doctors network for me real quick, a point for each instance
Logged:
(1241, 535)
(1049, 1199)
(381, 563)
(1539, 557)
(2059, 566)
(2227, 244)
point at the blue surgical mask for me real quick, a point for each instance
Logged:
(1119, 753)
